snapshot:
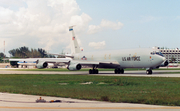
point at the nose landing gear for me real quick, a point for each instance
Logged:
(93, 71)
(149, 72)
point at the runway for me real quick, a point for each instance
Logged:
(142, 73)
(20, 102)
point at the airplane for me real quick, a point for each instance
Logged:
(117, 59)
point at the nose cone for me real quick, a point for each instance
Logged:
(164, 58)
(159, 60)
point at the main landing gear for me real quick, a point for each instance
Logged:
(149, 72)
(119, 71)
(94, 70)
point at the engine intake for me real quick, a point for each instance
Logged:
(74, 66)
(164, 64)
(41, 64)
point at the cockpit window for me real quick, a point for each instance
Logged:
(158, 53)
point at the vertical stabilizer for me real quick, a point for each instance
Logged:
(74, 44)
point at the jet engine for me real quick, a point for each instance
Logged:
(41, 64)
(164, 64)
(74, 66)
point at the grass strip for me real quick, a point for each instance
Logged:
(146, 90)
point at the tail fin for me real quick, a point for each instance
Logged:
(74, 44)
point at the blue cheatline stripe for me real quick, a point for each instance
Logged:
(70, 29)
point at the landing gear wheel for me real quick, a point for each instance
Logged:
(122, 71)
(93, 71)
(115, 71)
(96, 71)
(119, 71)
(90, 71)
(149, 72)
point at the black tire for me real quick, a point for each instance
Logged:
(90, 71)
(93, 71)
(115, 71)
(118, 71)
(122, 71)
(149, 72)
(96, 71)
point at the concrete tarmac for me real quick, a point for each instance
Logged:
(156, 73)
(20, 102)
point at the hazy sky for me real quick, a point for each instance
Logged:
(100, 24)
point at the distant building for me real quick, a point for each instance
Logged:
(171, 53)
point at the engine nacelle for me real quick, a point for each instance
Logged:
(164, 64)
(41, 64)
(74, 66)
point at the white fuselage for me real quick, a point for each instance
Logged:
(126, 58)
